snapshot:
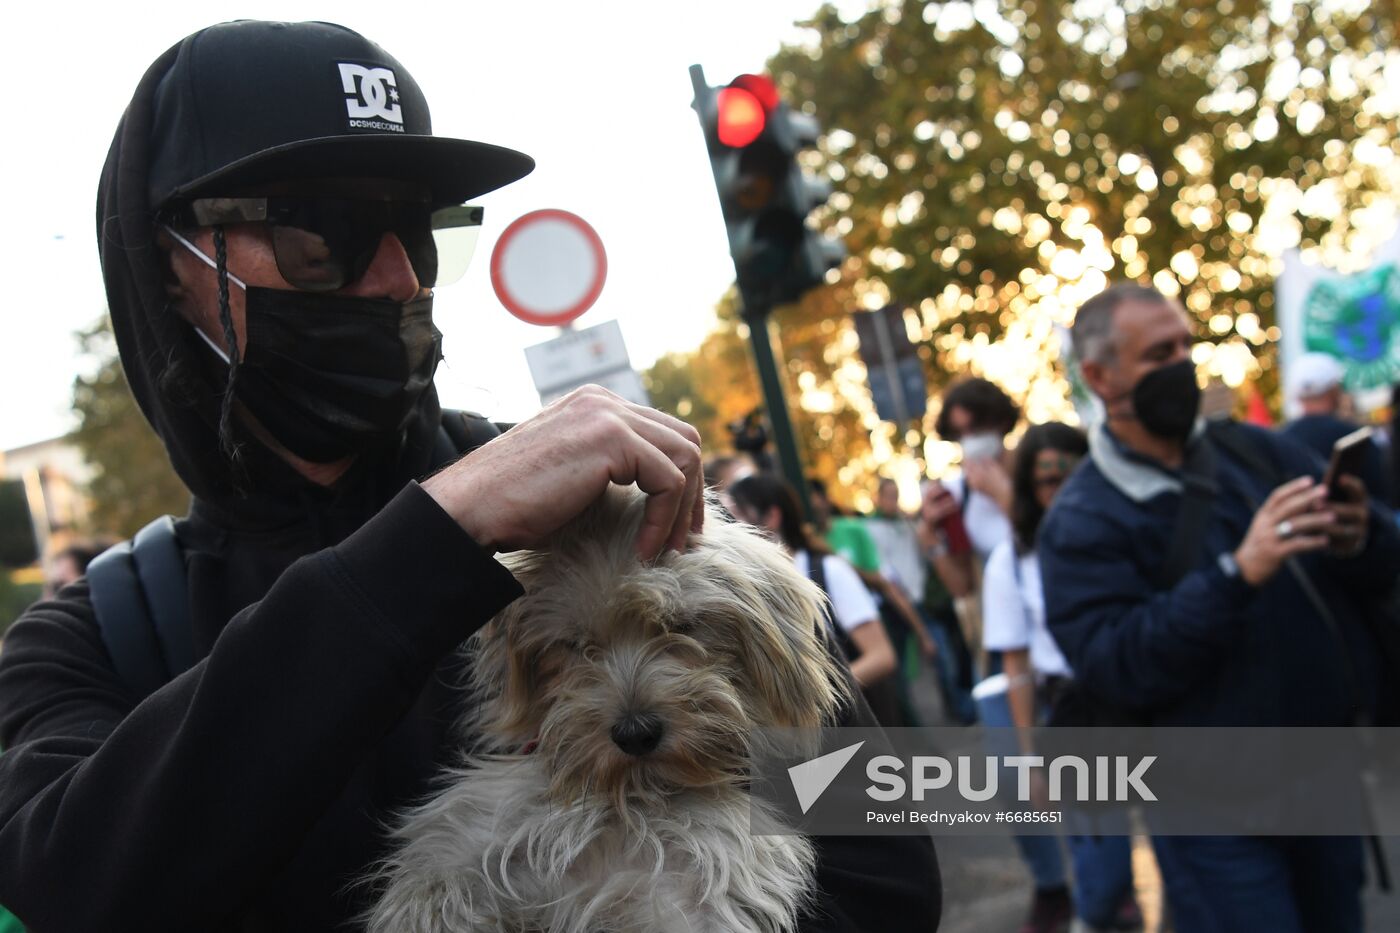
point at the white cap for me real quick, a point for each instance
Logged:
(1313, 374)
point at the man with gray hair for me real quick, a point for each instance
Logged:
(1162, 618)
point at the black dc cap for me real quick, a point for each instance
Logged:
(249, 101)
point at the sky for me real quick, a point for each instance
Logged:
(597, 93)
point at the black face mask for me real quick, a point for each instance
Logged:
(329, 375)
(333, 375)
(1167, 400)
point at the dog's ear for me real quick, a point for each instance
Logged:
(505, 675)
(778, 616)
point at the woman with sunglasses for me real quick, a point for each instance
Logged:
(1013, 618)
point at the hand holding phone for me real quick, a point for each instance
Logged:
(1348, 459)
(943, 511)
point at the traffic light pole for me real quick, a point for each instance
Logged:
(784, 438)
(753, 138)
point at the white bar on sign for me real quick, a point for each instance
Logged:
(576, 357)
(625, 382)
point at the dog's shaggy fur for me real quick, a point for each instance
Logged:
(548, 825)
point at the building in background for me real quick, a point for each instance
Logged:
(51, 476)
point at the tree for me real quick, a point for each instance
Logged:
(998, 162)
(133, 480)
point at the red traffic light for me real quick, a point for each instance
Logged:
(741, 117)
(743, 109)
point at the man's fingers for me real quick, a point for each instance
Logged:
(1289, 489)
(1353, 489)
(682, 428)
(652, 414)
(681, 443)
(674, 493)
(1349, 513)
(1294, 501)
(685, 515)
(1309, 523)
(1348, 531)
(697, 512)
(665, 486)
(1302, 544)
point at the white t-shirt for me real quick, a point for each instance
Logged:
(1013, 611)
(851, 602)
(901, 560)
(987, 526)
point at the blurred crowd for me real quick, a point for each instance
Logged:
(1135, 600)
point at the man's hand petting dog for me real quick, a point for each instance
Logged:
(520, 488)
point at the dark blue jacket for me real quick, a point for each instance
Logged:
(1210, 650)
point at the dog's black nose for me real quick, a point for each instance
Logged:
(638, 733)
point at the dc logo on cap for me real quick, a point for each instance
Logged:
(371, 98)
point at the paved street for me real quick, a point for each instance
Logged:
(986, 888)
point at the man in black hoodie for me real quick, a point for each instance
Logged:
(264, 224)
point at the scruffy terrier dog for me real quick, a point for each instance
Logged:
(610, 740)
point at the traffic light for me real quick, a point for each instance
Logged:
(753, 139)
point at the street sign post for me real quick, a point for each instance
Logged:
(896, 373)
(595, 355)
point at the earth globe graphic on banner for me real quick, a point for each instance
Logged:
(1356, 318)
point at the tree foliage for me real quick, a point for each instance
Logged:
(717, 384)
(133, 481)
(998, 162)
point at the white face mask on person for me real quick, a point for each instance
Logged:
(983, 446)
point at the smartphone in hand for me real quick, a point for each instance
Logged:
(955, 529)
(1348, 459)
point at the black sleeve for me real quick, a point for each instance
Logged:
(889, 884)
(113, 813)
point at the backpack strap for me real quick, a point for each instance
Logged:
(834, 633)
(141, 599)
(1193, 518)
(1198, 494)
(1230, 437)
(140, 593)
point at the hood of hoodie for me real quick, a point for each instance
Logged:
(179, 387)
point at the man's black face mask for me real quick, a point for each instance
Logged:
(332, 375)
(1168, 399)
